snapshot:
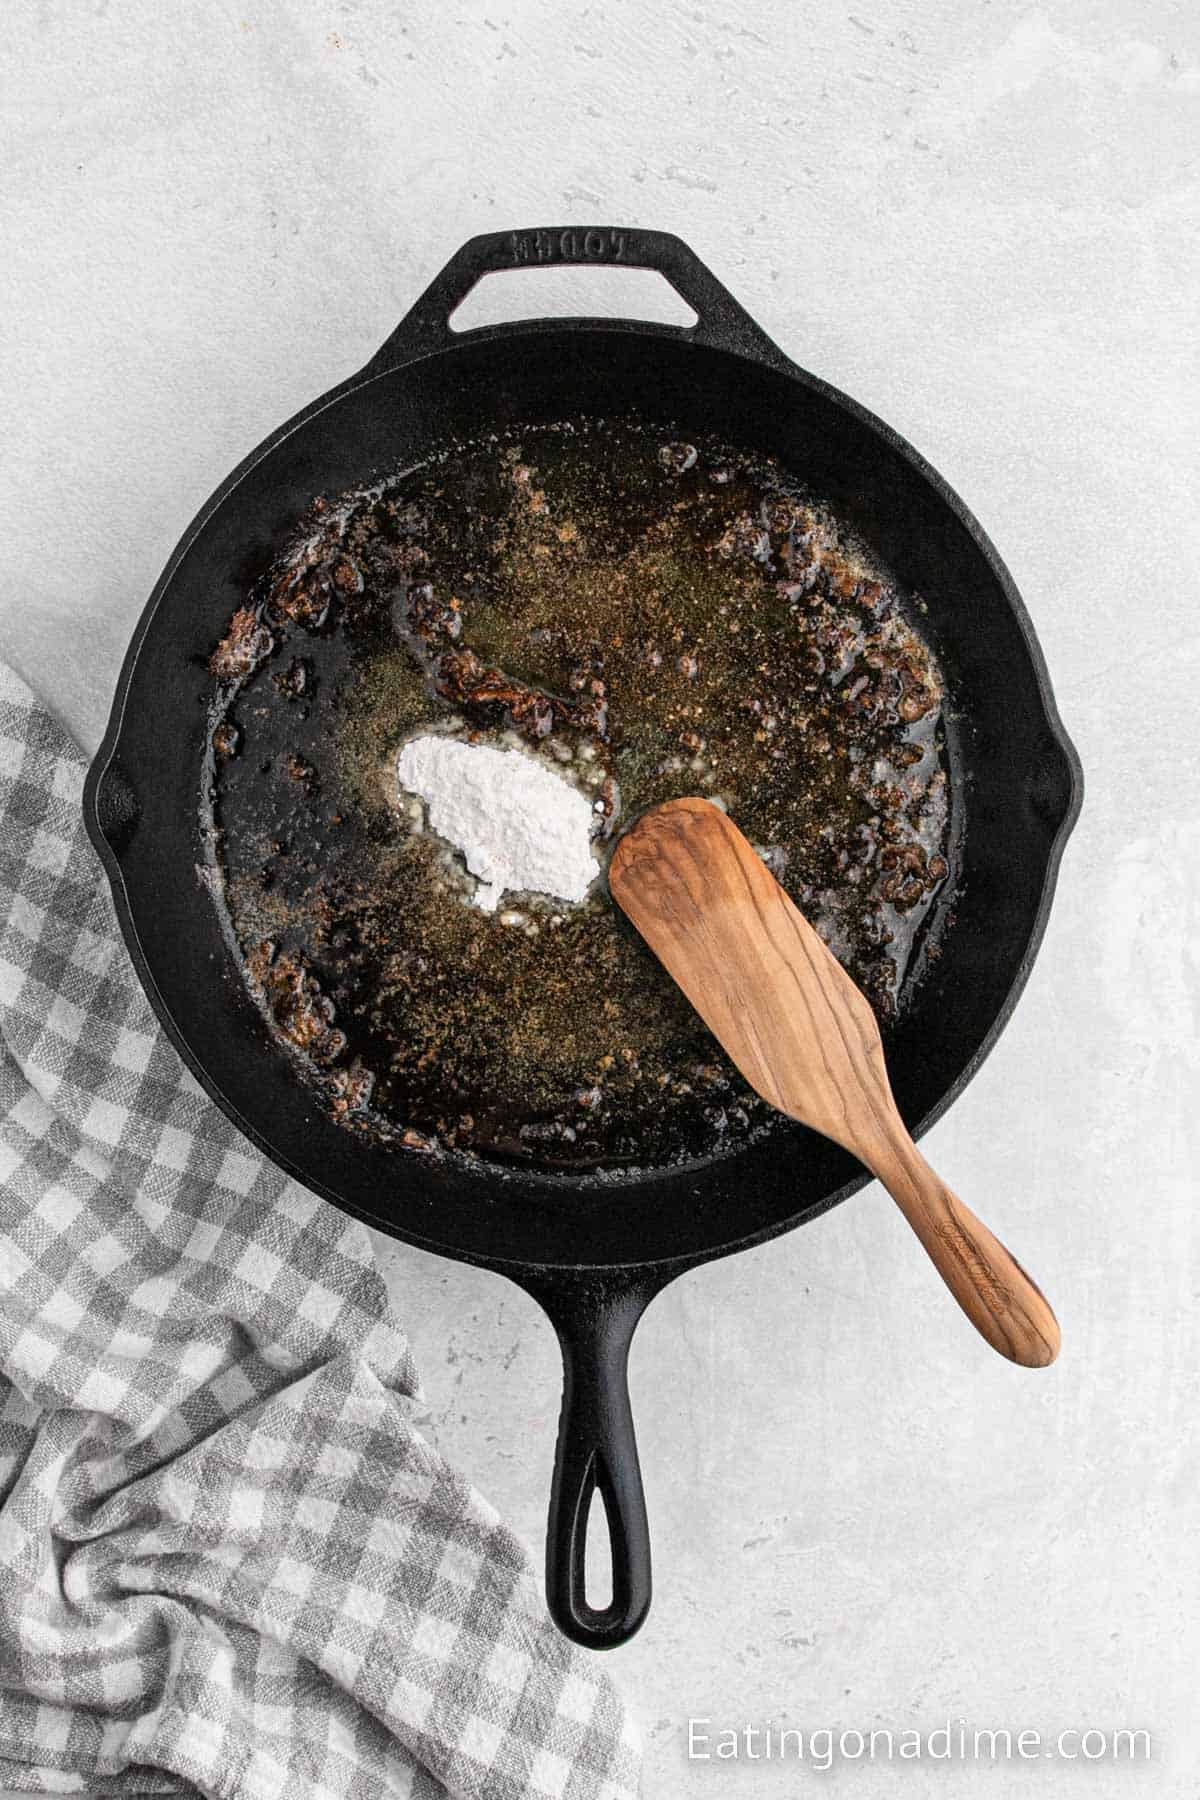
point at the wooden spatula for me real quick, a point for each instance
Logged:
(806, 1039)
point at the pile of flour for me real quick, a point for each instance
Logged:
(518, 825)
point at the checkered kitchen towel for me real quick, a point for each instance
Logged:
(228, 1562)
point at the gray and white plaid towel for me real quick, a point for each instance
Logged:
(228, 1562)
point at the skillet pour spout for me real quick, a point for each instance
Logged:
(592, 1249)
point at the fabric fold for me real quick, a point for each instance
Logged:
(229, 1562)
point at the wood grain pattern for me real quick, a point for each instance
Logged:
(806, 1039)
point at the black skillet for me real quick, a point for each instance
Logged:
(593, 1252)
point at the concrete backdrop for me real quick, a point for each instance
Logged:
(981, 219)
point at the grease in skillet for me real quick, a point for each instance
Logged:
(652, 618)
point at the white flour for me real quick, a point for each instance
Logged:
(517, 824)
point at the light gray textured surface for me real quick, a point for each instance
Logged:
(982, 221)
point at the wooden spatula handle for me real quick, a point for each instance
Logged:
(806, 1039)
(1000, 1299)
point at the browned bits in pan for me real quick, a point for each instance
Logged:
(415, 1140)
(350, 1090)
(653, 617)
(247, 643)
(464, 679)
(293, 996)
(294, 682)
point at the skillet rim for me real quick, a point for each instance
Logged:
(103, 799)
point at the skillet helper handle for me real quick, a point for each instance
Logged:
(720, 320)
(1005, 1305)
(596, 1463)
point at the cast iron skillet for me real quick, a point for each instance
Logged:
(593, 1252)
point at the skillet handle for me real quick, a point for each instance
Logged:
(720, 320)
(596, 1459)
